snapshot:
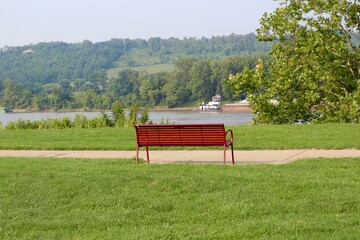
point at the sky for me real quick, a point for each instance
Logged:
(24, 22)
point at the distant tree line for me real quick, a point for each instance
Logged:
(59, 75)
(50, 62)
(192, 81)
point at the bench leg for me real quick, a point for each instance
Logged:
(232, 153)
(147, 154)
(224, 154)
(137, 153)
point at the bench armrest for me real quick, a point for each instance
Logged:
(231, 136)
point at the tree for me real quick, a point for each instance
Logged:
(144, 91)
(314, 72)
(107, 100)
(182, 79)
(90, 97)
(10, 94)
(123, 84)
(98, 80)
(61, 93)
(200, 84)
(170, 92)
(118, 114)
(41, 101)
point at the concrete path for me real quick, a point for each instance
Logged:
(200, 157)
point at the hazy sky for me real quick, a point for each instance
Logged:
(24, 22)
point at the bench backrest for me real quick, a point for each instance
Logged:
(180, 134)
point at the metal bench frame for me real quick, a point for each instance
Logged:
(166, 135)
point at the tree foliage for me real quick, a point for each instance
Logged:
(314, 72)
(50, 62)
(192, 81)
(59, 75)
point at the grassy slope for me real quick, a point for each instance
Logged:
(142, 61)
(154, 68)
(325, 136)
(110, 199)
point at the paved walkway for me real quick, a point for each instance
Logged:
(216, 157)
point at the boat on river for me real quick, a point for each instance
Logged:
(239, 106)
(214, 105)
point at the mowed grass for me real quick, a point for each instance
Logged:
(151, 68)
(246, 137)
(45, 198)
(142, 62)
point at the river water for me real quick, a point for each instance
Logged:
(228, 118)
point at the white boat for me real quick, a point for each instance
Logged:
(214, 105)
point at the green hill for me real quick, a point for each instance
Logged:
(154, 72)
(51, 62)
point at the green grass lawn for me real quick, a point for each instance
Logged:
(46, 198)
(247, 137)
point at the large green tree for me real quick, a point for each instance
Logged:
(314, 72)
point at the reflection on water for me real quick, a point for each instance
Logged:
(228, 118)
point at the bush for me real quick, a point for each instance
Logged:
(118, 119)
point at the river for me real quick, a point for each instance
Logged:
(228, 118)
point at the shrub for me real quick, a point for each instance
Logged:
(118, 119)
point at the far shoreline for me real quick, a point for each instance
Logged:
(195, 109)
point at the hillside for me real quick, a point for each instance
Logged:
(154, 72)
(50, 62)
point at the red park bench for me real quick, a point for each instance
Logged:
(166, 135)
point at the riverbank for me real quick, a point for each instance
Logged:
(235, 108)
(156, 116)
(225, 108)
(17, 110)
